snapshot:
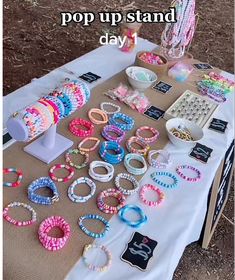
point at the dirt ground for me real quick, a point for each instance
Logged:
(34, 44)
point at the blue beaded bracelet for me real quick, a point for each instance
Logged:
(134, 170)
(166, 174)
(128, 121)
(93, 217)
(110, 158)
(42, 183)
(138, 210)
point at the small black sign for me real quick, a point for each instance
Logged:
(154, 113)
(203, 66)
(201, 152)
(89, 77)
(162, 87)
(218, 125)
(139, 251)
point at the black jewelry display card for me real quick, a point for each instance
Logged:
(89, 77)
(202, 66)
(162, 87)
(154, 113)
(139, 251)
(201, 152)
(218, 125)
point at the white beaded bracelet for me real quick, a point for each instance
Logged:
(135, 170)
(130, 178)
(101, 177)
(103, 104)
(156, 163)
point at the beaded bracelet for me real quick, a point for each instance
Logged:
(81, 199)
(120, 134)
(93, 217)
(180, 173)
(147, 187)
(49, 242)
(93, 267)
(147, 139)
(134, 139)
(97, 142)
(130, 178)
(19, 223)
(99, 112)
(76, 152)
(101, 177)
(142, 220)
(19, 177)
(135, 170)
(128, 121)
(43, 182)
(59, 166)
(156, 163)
(73, 127)
(107, 208)
(113, 159)
(166, 174)
(103, 104)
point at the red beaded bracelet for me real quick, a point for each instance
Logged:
(59, 166)
(138, 141)
(147, 139)
(153, 188)
(73, 127)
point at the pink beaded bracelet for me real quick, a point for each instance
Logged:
(49, 242)
(147, 139)
(131, 149)
(59, 166)
(73, 127)
(153, 188)
(195, 179)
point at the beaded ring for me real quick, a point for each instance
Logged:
(147, 139)
(113, 159)
(166, 174)
(134, 139)
(19, 178)
(129, 122)
(41, 183)
(138, 210)
(76, 152)
(147, 187)
(93, 217)
(180, 173)
(113, 129)
(130, 178)
(134, 170)
(81, 199)
(93, 267)
(59, 166)
(49, 242)
(99, 112)
(107, 208)
(118, 109)
(19, 223)
(97, 142)
(101, 177)
(73, 127)
(156, 163)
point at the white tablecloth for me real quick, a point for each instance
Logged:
(179, 220)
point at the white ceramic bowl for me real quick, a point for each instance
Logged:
(137, 84)
(195, 130)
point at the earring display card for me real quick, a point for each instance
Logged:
(89, 77)
(193, 107)
(154, 113)
(162, 87)
(202, 66)
(139, 251)
(201, 152)
(218, 125)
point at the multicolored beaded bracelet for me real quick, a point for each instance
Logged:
(81, 199)
(99, 112)
(103, 104)
(19, 177)
(147, 139)
(136, 224)
(166, 174)
(135, 170)
(144, 145)
(59, 166)
(93, 267)
(130, 178)
(119, 134)
(101, 177)
(110, 158)
(157, 163)
(49, 242)
(110, 193)
(97, 142)
(73, 127)
(93, 217)
(128, 121)
(180, 173)
(76, 152)
(43, 182)
(147, 187)
(19, 223)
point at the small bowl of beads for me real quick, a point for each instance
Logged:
(140, 78)
(183, 133)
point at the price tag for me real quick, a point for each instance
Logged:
(154, 113)
(201, 152)
(202, 66)
(162, 87)
(218, 125)
(89, 77)
(139, 251)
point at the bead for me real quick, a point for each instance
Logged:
(73, 127)
(155, 176)
(99, 112)
(180, 173)
(142, 220)
(153, 188)
(101, 177)
(147, 139)
(134, 170)
(76, 152)
(103, 104)
(128, 121)
(19, 177)
(113, 129)
(110, 158)
(81, 148)
(59, 166)
(129, 178)
(134, 139)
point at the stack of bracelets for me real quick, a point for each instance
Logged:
(155, 176)
(142, 220)
(148, 187)
(157, 163)
(101, 177)
(110, 158)
(130, 178)
(116, 107)
(42, 183)
(128, 121)
(99, 112)
(60, 166)
(19, 223)
(81, 148)
(76, 152)
(147, 140)
(93, 217)
(194, 179)
(19, 177)
(74, 128)
(119, 134)
(49, 242)
(143, 144)
(134, 170)
(110, 193)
